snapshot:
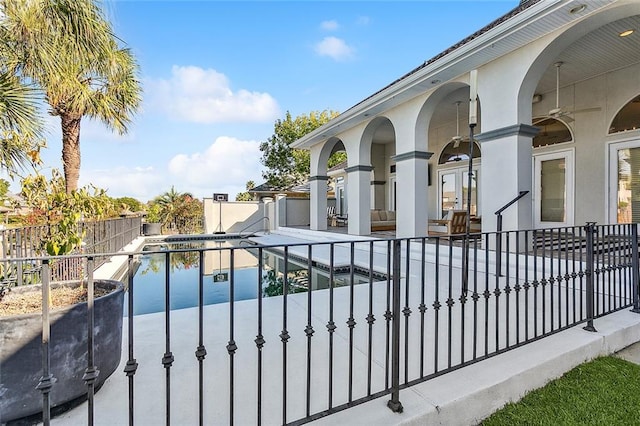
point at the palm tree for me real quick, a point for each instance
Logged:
(170, 199)
(20, 124)
(178, 208)
(67, 48)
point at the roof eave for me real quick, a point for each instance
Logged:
(427, 73)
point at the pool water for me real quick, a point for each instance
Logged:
(149, 288)
(149, 279)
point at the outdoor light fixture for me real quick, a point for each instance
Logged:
(626, 33)
(577, 9)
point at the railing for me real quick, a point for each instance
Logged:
(329, 349)
(499, 226)
(105, 236)
(263, 220)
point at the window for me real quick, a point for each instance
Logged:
(628, 118)
(552, 132)
(458, 150)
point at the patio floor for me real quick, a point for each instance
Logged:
(461, 397)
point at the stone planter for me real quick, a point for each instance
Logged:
(21, 351)
(151, 228)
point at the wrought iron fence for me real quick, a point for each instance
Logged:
(325, 350)
(104, 236)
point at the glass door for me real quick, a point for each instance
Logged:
(449, 199)
(553, 183)
(453, 190)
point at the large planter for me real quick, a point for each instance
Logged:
(21, 352)
(151, 228)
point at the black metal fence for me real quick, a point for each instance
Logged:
(322, 351)
(104, 236)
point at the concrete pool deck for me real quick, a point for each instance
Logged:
(461, 397)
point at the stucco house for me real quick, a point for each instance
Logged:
(553, 88)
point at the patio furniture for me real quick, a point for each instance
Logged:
(455, 223)
(383, 220)
(335, 219)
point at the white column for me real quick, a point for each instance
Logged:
(411, 194)
(506, 170)
(318, 198)
(359, 199)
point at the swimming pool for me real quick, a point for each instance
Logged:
(184, 274)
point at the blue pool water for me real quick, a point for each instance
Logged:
(149, 279)
(149, 288)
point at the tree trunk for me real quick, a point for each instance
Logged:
(71, 150)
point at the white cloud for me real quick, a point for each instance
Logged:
(225, 166)
(200, 95)
(143, 183)
(334, 48)
(329, 25)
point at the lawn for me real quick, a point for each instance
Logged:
(605, 391)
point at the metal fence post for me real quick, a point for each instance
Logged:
(394, 403)
(47, 379)
(499, 246)
(635, 264)
(589, 272)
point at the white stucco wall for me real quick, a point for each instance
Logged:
(236, 216)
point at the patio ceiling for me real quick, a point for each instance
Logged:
(596, 53)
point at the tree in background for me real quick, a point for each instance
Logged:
(63, 212)
(129, 203)
(245, 196)
(178, 211)
(286, 166)
(68, 49)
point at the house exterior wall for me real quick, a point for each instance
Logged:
(505, 85)
(236, 216)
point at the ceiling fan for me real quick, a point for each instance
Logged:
(563, 113)
(457, 138)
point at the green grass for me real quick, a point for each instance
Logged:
(605, 391)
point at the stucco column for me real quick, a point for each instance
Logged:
(411, 193)
(506, 170)
(318, 205)
(359, 199)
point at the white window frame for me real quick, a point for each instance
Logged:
(569, 156)
(612, 173)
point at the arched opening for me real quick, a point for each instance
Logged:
(448, 135)
(337, 201)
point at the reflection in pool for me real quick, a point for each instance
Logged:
(184, 271)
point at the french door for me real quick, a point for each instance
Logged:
(553, 182)
(452, 191)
